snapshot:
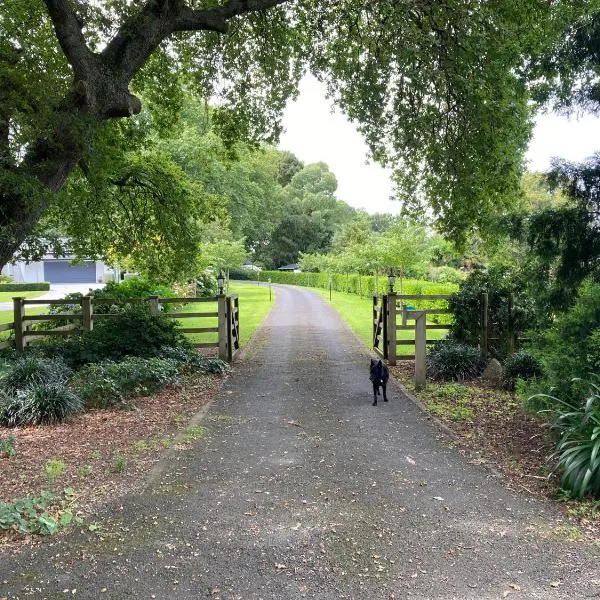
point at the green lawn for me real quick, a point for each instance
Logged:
(8, 296)
(358, 313)
(254, 306)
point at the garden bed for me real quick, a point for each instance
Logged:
(106, 453)
(492, 428)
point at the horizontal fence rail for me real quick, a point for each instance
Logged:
(223, 322)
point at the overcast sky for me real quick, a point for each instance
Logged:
(314, 133)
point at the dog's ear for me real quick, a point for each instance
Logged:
(379, 364)
(373, 362)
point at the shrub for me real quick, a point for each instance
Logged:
(136, 331)
(578, 450)
(521, 365)
(40, 404)
(42, 286)
(32, 370)
(449, 360)
(569, 349)
(499, 283)
(188, 358)
(206, 285)
(109, 383)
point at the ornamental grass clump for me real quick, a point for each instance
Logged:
(577, 453)
(452, 361)
(32, 370)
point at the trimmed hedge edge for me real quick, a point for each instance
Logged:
(42, 286)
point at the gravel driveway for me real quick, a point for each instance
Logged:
(302, 489)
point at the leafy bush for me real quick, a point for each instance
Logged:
(522, 365)
(7, 447)
(569, 349)
(578, 450)
(445, 275)
(188, 358)
(41, 403)
(449, 360)
(32, 370)
(134, 287)
(109, 383)
(136, 331)
(206, 285)
(499, 283)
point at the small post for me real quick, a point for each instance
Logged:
(229, 329)
(510, 324)
(19, 313)
(154, 308)
(420, 351)
(484, 326)
(87, 312)
(384, 308)
(391, 328)
(270, 297)
(330, 284)
(223, 338)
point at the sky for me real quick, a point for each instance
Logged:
(313, 132)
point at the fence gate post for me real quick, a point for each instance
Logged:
(19, 313)
(484, 326)
(229, 329)
(153, 301)
(223, 333)
(510, 324)
(391, 328)
(87, 311)
(420, 350)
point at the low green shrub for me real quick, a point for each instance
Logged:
(449, 360)
(33, 370)
(31, 516)
(136, 331)
(206, 285)
(7, 447)
(109, 383)
(521, 365)
(42, 403)
(42, 286)
(577, 453)
(189, 359)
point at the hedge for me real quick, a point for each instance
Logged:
(42, 286)
(364, 285)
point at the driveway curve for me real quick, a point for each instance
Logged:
(302, 489)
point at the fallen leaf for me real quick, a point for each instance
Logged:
(280, 567)
(410, 460)
(555, 584)
(437, 498)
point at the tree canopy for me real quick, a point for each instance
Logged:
(439, 90)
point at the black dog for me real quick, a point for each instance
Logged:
(379, 375)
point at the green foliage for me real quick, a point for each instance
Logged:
(206, 285)
(449, 360)
(28, 371)
(53, 469)
(41, 403)
(499, 283)
(134, 287)
(135, 331)
(119, 463)
(578, 450)
(189, 359)
(109, 383)
(29, 515)
(522, 365)
(42, 286)
(569, 348)
(7, 447)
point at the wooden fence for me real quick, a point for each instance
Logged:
(226, 312)
(391, 314)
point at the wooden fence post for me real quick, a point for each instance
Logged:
(223, 335)
(391, 328)
(510, 324)
(420, 351)
(19, 313)
(87, 312)
(484, 326)
(229, 329)
(153, 302)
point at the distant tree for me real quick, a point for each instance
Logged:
(287, 166)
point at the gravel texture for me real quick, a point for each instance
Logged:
(302, 489)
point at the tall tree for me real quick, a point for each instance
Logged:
(437, 87)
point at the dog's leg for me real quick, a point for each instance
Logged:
(375, 390)
(384, 396)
